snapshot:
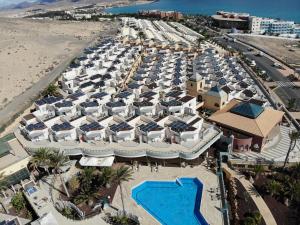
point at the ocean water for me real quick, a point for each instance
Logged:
(284, 9)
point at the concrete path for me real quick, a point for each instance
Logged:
(255, 196)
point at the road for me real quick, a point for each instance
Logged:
(24, 100)
(286, 89)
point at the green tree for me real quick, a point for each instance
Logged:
(293, 191)
(57, 161)
(86, 178)
(294, 137)
(141, 36)
(18, 202)
(258, 170)
(199, 41)
(74, 184)
(106, 177)
(274, 187)
(40, 159)
(254, 219)
(122, 174)
(52, 89)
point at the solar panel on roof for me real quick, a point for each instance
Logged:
(149, 126)
(12, 222)
(64, 104)
(133, 85)
(37, 126)
(76, 94)
(124, 94)
(99, 95)
(89, 104)
(48, 100)
(179, 126)
(120, 126)
(91, 126)
(62, 126)
(115, 104)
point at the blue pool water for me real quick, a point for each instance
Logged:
(172, 202)
(284, 9)
(31, 190)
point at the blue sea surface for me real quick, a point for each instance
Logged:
(284, 9)
(172, 202)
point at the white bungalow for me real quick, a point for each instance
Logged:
(172, 107)
(144, 108)
(151, 132)
(66, 108)
(91, 132)
(90, 108)
(126, 96)
(36, 132)
(63, 132)
(44, 107)
(120, 132)
(116, 108)
(189, 104)
(180, 132)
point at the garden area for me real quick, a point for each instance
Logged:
(87, 190)
(280, 189)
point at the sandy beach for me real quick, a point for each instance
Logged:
(29, 49)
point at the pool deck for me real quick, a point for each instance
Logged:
(210, 209)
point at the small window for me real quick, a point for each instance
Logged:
(217, 105)
(191, 85)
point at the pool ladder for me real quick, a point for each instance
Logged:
(178, 182)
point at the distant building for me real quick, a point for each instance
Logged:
(162, 14)
(260, 25)
(256, 25)
(229, 20)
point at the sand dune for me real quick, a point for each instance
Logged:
(29, 49)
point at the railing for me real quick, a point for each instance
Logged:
(224, 209)
(94, 151)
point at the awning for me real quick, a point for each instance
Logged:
(94, 161)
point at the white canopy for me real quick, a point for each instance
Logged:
(94, 161)
(47, 219)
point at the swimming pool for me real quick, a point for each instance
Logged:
(31, 190)
(172, 202)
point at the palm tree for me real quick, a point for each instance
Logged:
(86, 178)
(199, 41)
(106, 176)
(52, 89)
(141, 36)
(274, 187)
(57, 161)
(294, 137)
(3, 184)
(258, 170)
(294, 191)
(40, 159)
(254, 219)
(121, 175)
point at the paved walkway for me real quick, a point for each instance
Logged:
(255, 196)
(277, 151)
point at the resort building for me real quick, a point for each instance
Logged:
(229, 20)
(260, 25)
(251, 125)
(144, 111)
(171, 15)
